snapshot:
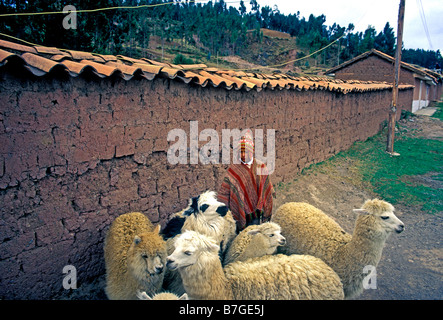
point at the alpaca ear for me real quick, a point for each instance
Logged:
(213, 247)
(184, 296)
(137, 239)
(253, 232)
(361, 211)
(192, 206)
(143, 296)
(157, 229)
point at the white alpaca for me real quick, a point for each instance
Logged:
(206, 215)
(310, 231)
(277, 277)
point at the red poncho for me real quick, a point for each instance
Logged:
(245, 191)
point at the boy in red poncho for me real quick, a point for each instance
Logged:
(246, 188)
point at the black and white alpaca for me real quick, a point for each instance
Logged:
(206, 215)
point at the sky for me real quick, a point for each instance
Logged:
(375, 13)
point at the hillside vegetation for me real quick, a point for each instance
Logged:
(212, 33)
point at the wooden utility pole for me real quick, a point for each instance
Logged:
(393, 108)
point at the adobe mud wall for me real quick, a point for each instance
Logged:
(374, 68)
(75, 153)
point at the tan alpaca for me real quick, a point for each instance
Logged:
(135, 256)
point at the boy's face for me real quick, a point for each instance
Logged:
(245, 155)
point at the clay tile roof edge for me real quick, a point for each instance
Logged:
(39, 61)
(15, 46)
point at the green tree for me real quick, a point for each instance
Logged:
(385, 40)
(242, 8)
(367, 43)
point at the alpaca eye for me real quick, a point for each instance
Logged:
(385, 217)
(271, 235)
(188, 253)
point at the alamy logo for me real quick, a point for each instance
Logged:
(70, 21)
(370, 281)
(210, 152)
(70, 280)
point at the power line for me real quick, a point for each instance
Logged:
(423, 20)
(156, 5)
(272, 66)
(18, 39)
(295, 60)
(96, 10)
(107, 8)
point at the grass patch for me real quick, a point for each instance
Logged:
(398, 180)
(439, 113)
(413, 178)
(391, 176)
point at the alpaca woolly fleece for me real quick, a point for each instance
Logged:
(206, 215)
(161, 296)
(277, 277)
(310, 231)
(135, 256)
(255, 241)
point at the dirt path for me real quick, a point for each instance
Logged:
(412, 263)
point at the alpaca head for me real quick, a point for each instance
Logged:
(190, 246)
(382, 214)
(271, 232)
(202, 211)
(206, 205)
(147, 254)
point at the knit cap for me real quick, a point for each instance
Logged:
(246, 142)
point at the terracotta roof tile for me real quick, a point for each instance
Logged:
(171, 72)
(106, 57)
(38, 62)
(240, 83)
(197, 78)
(48, 50)
(60, 57)
(42, 60)
(15, 46)
(75, 68)
(125, 69)
(192, 66)
(217, 80)
(101, 69)
(157, 63)
(260, 84)
(80, 55)
(148, 68)
(4, 55)
(212, 69)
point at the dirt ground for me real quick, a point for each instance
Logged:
(411, 266)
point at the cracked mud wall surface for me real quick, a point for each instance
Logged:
(75, 153)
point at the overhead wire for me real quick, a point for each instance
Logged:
(424, 22)
(239, 69)
(295, 60)
(151, 6)
(107, 8)
(24, 41)
(92, 10)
